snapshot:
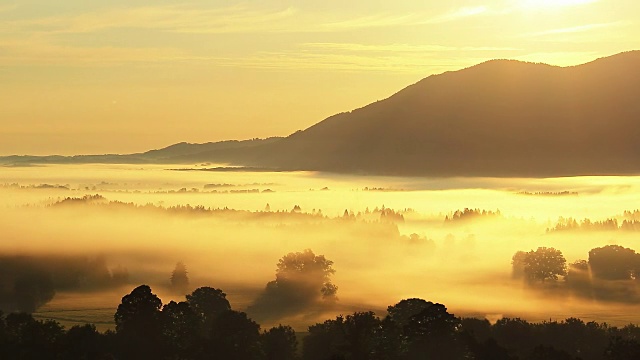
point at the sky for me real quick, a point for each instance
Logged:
(95, 77)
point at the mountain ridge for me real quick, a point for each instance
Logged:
(497, 118)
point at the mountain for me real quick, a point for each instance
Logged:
(497, 118)
(177, 153)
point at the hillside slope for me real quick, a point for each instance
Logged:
(498, 118)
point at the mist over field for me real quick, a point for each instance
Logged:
(387, 237)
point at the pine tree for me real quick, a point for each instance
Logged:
(179, 278)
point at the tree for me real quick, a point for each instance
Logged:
(622, 349)
(279, 343)
(179, 279)
(303, 279)
(401, 312)
(433, 334)
(614, 262)
(84, 342)
(513, 333)
(138, 324)
(362, 334)
(517, 264)
(357, 337)
(234, 336)
(180, 326)
(27, 338)
(325, 340)
(208, 303)
(544, 264)
(305, 266)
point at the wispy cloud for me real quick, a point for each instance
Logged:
(458, 14)
(576, 29)
(386, 20)
(399, 48)
(398, 58)
(335, 62)
(175, 18)
(549, 4)
(231, 19)
(36, 52)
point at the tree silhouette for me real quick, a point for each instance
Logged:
(27, 338)
(433, 333)
(544, 264)
(358, 336)
(401, 312)
(362, 334)
(138, 324)
(622, 349)
(303, 279)
(513, 333)
(208, 303)
(180, 326)
(614, 262)
(518, 264)
(325, 340)
(279, 343)
(542, 352)
(84, 342)
(179, 279)
(234, 336)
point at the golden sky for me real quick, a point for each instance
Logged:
(88, 76)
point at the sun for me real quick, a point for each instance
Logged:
(549, 4)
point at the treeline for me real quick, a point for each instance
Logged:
(470, 214)
(28, 282)
(204, 326)
(383, 215)
(611, 272)
(611, 224)
(549, 193)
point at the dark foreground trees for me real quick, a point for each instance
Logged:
(413, 329)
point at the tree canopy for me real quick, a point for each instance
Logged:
(544, 264)
(303, 280)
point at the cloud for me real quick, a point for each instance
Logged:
(385, 20)
(575, 29)
(550, 4)
(399, 47)
(231, 19)
(175, 18)
(461, 13)
(306, 60)
(35, 51)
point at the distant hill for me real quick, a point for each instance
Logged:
(498, 118)
(177, 153)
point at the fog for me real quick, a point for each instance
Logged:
(226, 239)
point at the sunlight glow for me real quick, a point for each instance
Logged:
(547, 4)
